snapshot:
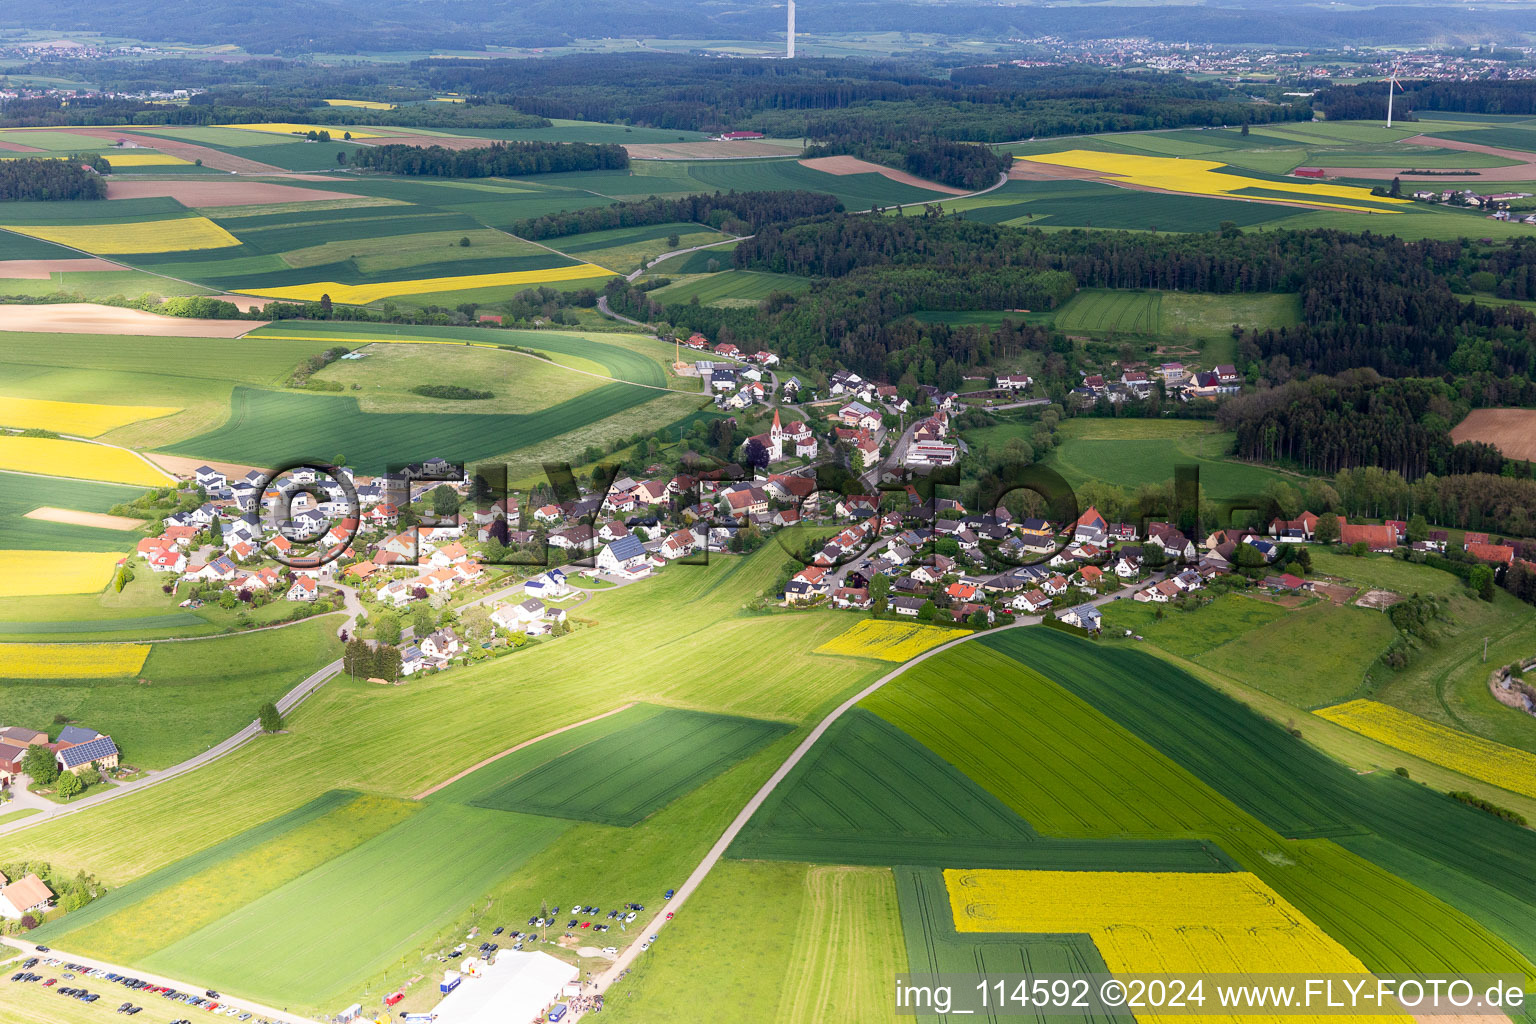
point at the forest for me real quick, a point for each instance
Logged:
(853, 101)
(1368, 300)
(501, 159)
(301, 105)
(1325, 424)
(1358, 102)
(27, 180)
(956, 164)
(731, 212)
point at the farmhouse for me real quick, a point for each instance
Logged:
(76, 754)
(1497, 554)
(1376, 538)
(24, 896)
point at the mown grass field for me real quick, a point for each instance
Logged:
(282, 946)
(626, 776)
(146, 917)
(1129, 463)
(185, 697)
(823, 944)
(386, 374)
(623, 249)
(1296, 667)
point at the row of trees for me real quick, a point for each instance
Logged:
(500, 159)
(957, 164)
(734, 212)
(27, 180)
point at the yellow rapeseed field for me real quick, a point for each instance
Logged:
(889, 641)
(79, 460)
(43, 573)
(365, 104)
(1473, 756)
(1156, 922)
(172, 235)
(1199, 177)
(143, 158)
(358, 294)
(85, 419)
(286, 128)
(71, 661)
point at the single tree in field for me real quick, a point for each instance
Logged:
(271, 718)
(39, 763)
(325, 303)
(69, 786)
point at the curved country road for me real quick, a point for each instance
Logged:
(631, 952)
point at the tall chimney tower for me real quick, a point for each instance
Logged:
(789, 51)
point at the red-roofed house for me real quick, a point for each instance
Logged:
(1377, 538)
(1500, 554)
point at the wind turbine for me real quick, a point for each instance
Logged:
(1392, 88)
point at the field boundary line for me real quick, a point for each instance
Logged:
(526, 743)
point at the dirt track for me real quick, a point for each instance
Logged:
(853, 165)
(1511, 431)
(219, 193)
(185, 466)
(88, 318)
(41, 270)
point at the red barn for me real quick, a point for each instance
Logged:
(1308, 172)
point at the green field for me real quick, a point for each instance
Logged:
(384, 377)
(729, 287)
(627, 776)
(20, 494)
(361, 902)
(934, 947)
(195, 374)
(1192, 633)
(1132, 463)
(266, 427)
(824, 943)
(1194, 315)
(623, 249)
(188, 696)
(1295, 666)
(871, 794)
(100, 284)
(1275, 778)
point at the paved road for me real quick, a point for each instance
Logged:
(155, 1005)
(285, 704)
(658, 921)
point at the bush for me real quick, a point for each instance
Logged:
(451, 392)
(1470, 800)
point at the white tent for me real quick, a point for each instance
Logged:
(517, 987)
